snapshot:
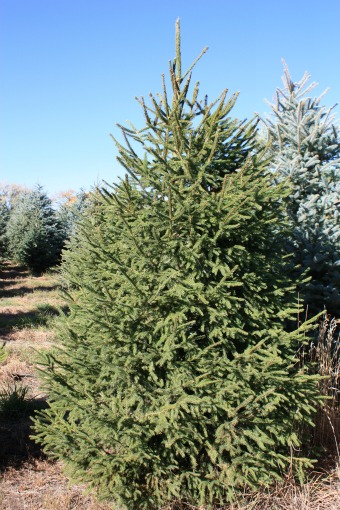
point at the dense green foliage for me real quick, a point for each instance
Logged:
(4, 217)
(35, 237)
(306, 151)
(175, 377)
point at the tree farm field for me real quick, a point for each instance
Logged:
(29, 306)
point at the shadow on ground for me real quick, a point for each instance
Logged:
(22, 291)
(41, 316)
(16, 446)
(11, 275)
(10, 272)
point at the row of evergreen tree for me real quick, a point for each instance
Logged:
(177, 376)
(32, 231)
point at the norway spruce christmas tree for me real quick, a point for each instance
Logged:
(306, 150)
(4, 217)
(176, 378)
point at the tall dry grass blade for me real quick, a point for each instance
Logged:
(325, 355)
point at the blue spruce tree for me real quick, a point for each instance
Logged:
(306, 153)
(34, 233)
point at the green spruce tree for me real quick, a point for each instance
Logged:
(306, 152)
(176, 378)
(34, 234)
(4, 217)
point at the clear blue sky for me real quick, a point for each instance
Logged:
(70, 69)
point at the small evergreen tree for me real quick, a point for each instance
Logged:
(34, 233)
(4, 217)
(306, 152)
(176, 377)
(70, 211)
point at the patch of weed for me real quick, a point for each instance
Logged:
(14, 401)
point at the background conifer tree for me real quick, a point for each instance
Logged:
(4, 217)
(306, 151)
(176, 378)
(35, 237)
(69, 212)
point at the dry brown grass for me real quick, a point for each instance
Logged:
(326, 356)
(16, 370)
(26, 303)
(319, 493)
(40, 485)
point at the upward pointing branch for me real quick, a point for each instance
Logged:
(178, 52)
